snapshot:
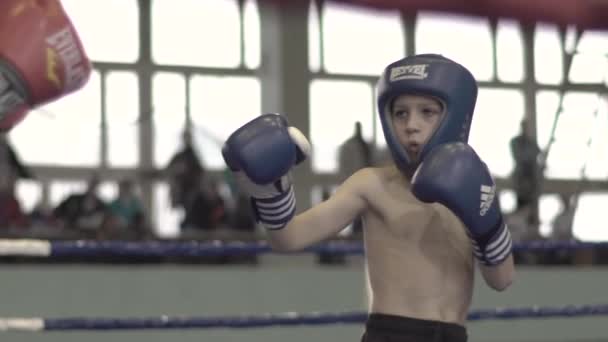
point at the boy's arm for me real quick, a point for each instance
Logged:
(501, 276)
(261, 155)
(455, 176)
(325, 219)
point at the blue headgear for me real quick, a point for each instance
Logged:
(429, 75)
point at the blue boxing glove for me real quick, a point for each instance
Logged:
(455, 176)
(261, 154)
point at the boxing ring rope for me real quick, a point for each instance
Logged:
(272, 320)
(85, 248)
(92, 248)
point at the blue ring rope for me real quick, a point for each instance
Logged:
(150, 249)
(218, 248)
(275, 320)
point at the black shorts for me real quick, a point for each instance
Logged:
(389, 328)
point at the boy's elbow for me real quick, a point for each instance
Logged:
(283, 244)
(502, 286)
(502, 281)
(500, 277)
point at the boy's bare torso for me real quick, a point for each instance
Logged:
(419, 257)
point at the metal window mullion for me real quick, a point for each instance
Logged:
(408, 22)
(319, 7)
(493, 23)
(103, 136)
(189, 121)
(242, 45)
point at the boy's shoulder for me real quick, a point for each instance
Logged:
(371, 173)
(374, 178)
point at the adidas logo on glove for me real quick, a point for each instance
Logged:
(487, 196)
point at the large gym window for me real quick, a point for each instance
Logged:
(508, 201)
(169, 115)
(588, 68)
(109, 29)
(166, 218)
(314, 38)
(496, 121)
(220, 105)
(587, 227)
(378, 138)
(187, 33)
(252, 43)
(38, 139)
(335, 106)
(60, 190)
(549, 206)
(509, 51)
(29, 193)
(590, 64)
(585, 224)
(579, 136)
(548, 61)
(122, 115)
(350, 47)
(596, 155)
(466, 40)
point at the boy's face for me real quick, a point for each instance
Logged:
(415, 118)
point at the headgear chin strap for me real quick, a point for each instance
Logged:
(428, 75)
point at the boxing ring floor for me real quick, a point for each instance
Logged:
(279, 283)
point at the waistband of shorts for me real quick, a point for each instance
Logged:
(394, 323)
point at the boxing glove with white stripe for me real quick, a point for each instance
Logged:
(454, 175)
(261, 154)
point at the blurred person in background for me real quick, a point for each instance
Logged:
(12, 217)
(522, 231)
(562, 230)
(11, 170)
(527, 173)
(11, 167)
(184, 171)
(563, 222)
(125, 215)
(354, 154)
(82, 212)
(204, 208)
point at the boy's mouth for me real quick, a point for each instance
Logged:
(413, 150)
(413, 147)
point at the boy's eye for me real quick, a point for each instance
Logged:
(429, 111)
(400, 113)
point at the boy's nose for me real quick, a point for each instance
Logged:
(412, 124)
